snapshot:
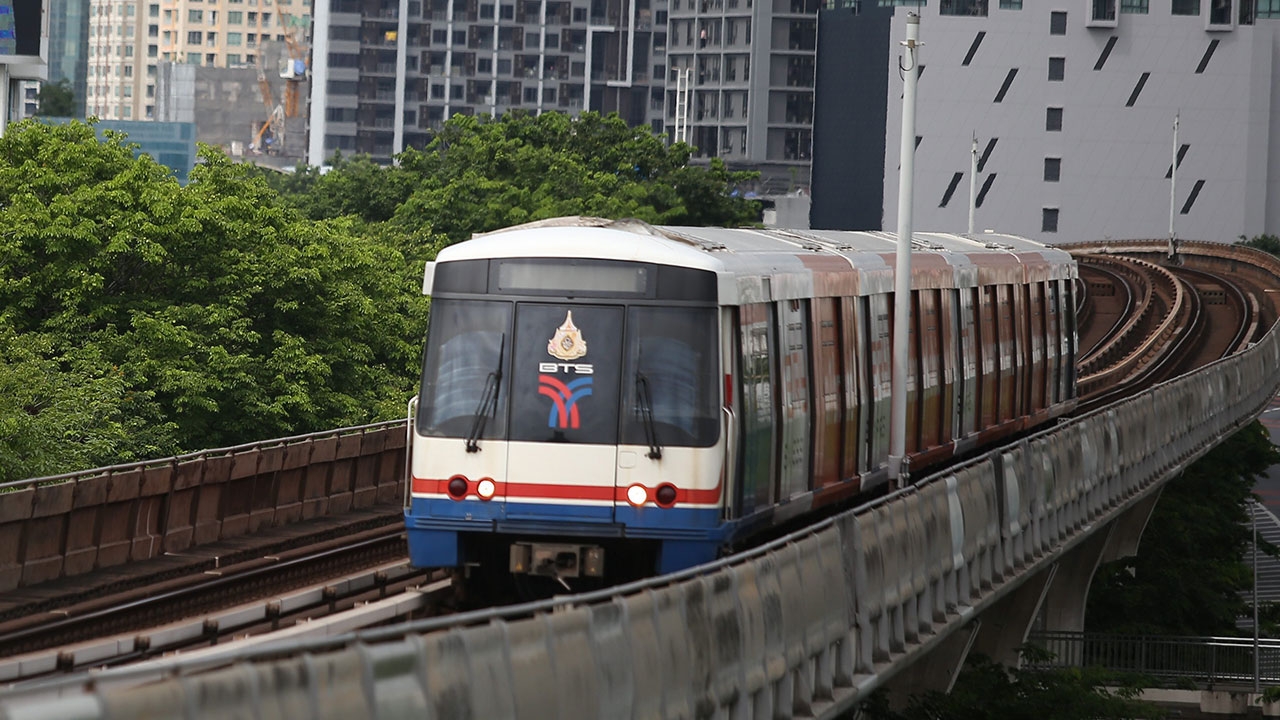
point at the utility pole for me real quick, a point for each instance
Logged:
(909, 66)
(1173, 190)
(973, 181)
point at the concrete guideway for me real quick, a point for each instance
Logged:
(894, 593)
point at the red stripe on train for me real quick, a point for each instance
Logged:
(523, 491)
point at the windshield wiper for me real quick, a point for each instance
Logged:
(646, 416)
(488, 401)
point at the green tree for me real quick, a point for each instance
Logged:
(56, 99)
(237, 317)
(1190, 569)
(481, 174)
(68, 411)
(986, 690)
(1265, 243)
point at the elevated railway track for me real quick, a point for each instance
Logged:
(145, 530)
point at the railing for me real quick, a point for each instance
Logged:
(1202, 661)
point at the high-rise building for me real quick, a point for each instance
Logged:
(69, 46)
(128, 38)
(733, 77)
(1073, 108)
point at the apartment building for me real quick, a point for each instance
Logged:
(1072, 105)
(733, 77)
(128, 38)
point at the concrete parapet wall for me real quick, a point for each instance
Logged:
(71, 524)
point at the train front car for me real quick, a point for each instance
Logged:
(569, 421)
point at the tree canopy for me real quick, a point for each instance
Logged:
(213, 313)
(480, 174)
(140, 317)
(56, 99)
(1199, 530)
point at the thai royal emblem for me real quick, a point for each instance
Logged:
(567, 344)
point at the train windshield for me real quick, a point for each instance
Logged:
(464, 388)
(571, 373)
(671, 377)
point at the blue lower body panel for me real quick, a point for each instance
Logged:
(441, 532)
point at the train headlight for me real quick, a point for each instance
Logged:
(637, 495)
(457, 487)
(486, 488)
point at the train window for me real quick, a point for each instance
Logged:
(565, 373)
(463, 391)
(672, 367)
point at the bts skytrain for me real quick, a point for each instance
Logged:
(610, 399)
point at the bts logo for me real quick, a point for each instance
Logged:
(564, 399)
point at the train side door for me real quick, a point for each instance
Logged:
(565, 379)
(758, 427)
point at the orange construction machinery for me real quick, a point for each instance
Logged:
(296, 63)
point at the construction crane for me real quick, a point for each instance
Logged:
(275, 118)
(295, 66)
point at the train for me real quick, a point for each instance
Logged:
(606, 400)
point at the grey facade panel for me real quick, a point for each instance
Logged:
(1115, 141)
(849, 119)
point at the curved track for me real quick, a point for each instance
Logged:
(1140, 322)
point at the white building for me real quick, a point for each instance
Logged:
(1072, 104)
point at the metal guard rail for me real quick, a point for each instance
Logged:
(1202, 661)
(806, 625)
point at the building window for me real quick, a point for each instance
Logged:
(1052, 169)
(1220, 12)
(486, 11)
(1186, 7)
(437, 92)
(973, 8)
(234, 38)
(1053, 119)
(1058, 22)
(195, 37)
(1102, 10)
(235, 17)
(455, 92)
(506, 12)
(1049, 220)
(531, 95)
(1057, 68)
(1010, 4)
(253, 18)
(1266, 8)
(195, 16)
(211, 38)
(440, 37)
(1134, 7)
(153, 11)
(233, 59)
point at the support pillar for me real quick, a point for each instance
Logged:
(1006, 623)
(1130, 526)
(4, 97)
(937, 670)
(1064, 605)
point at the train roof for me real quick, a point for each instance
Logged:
(758, 264)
